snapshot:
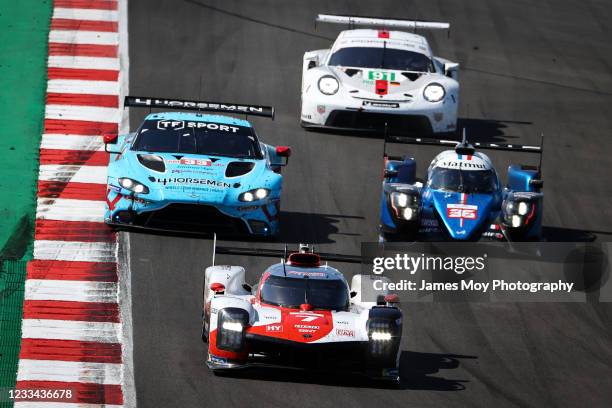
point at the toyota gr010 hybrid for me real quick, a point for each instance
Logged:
(301, 314)
(195, 172)
(463, 197)
(372, 79)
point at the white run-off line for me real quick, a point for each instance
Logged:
(69, 371)
(81, 86)
(83, 37)
(71, 142)
(45, 404)
(84, 14)
(75, 251)
(65, 290)
(68, 209)
(83, 62)
(48, 329)
(88, 113)
(73, 173)
(84, 74)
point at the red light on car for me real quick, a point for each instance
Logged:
(305, 307)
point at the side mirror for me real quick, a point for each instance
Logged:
(536, 183)
(392, 298)
(353, 294)
(111, 139)
(451, 69)
(390, 173)
(312, 64)
(284, 151)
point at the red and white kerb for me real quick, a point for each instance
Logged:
(71, 331)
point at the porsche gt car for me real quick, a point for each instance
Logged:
(463, 197)
(195, 172)
(301, 315)
(372, 79)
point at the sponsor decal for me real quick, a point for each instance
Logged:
(429, 222)
(381, 104)
(198, 105)
(306, 328)
(191, 162)
(181, 124)
(220, 360)
(465, 165)
(300, 273)
(307, 317)
(381, 75)
(274, 328)
(345, 332)
(248, 208)
(462, 211)
(189, 180)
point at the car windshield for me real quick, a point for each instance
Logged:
(292, 292)
(197, 137)
(464, 181)
(381, 57)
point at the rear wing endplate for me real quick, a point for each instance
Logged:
(201, 106)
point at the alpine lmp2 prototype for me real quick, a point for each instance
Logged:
(370, 79)
(301, 315)
(462, 198)
(195, 172)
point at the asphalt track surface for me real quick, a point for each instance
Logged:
(527, 67)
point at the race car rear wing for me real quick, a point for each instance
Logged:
(277, 253)
(463, 146)
(201, 106)
(353, 21)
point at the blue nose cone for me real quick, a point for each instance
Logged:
(462, 214)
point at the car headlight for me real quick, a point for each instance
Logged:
(254, 195)
(328, 85)
(518, 213)
(133, 185)
(232, 326)
(434, 92)
(381, 336)
(404, 204)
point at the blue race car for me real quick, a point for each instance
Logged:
(195, 172)
(463, 197)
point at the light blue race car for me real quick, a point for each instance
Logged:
(195, 172)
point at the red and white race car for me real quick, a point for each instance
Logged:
(301, 314)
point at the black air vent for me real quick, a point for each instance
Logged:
(235, 169)
(413, 76)
(152, 162)
(351, 71)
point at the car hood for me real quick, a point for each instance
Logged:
(317, 326)
(382, 83)
(462, 214)
(196, 178)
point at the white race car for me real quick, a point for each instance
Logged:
(371, 79)
(301, 314)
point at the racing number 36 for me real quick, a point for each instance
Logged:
(381, 75)
(466, 212)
